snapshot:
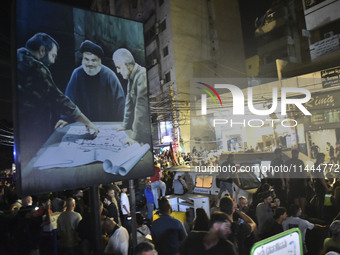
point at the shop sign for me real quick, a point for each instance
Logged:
(330, 77)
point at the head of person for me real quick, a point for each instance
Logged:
(139, 219)
(124, 188)
(108, 226)
(79, 193)
(201, 214)
(280, 214)
(70, 204)
(110, 192)
(145, 248)
(328, 143)
(92, 57)
(148, 183)
(320, 157)
(164, 206)
(243, 203)
(43, 47)
(294, 210)
(278, 153)
(227, 205)
(295, 154)
(220, 224)
(277, 201)
(267, 197)
(334, 228)
(107, 200)
(124, 62)
(27, 201)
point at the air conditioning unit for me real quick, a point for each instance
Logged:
(310, 3)
(328, 34)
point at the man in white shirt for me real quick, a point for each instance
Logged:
(125, 207)
(294, 221)
(118, 242)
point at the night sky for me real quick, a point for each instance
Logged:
(250, 10)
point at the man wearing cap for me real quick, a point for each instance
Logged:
(95, 88)
(40, 99)
(136, 108)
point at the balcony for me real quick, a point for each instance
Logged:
(322, 14)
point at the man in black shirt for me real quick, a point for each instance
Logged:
(112, 210)
(210, 242)
(241, 229)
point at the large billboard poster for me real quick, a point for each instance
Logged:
(82, 112)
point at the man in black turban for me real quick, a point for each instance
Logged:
(95, 88)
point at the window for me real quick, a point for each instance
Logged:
(165, 51)
(204, 181)
(162, 25)
(167, 77)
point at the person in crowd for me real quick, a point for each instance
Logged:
(178, 185)
(136, 106)
(149, 200)
(67, 224)
(125, 207)
(213, 241)
(297, 183)
(27, 228)
(48, 233)
(112, 210)
(243, 204)
(157, 184)
(145, 248)
(264, 211)
(95, 88)
(40, 99)
(314, 150)
(113, 191)
(320, 186)
(274, 226)
(333, 243)
(241, 230)
(276, 203)
(294, 221)
(225, 176)
(118, 242)
(143, 231)
(278, 180)
(167, 232)
(337, 152)
(201, 221)
(188, 180)
(80, 204)
(330, 150)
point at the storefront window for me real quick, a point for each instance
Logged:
(204, 181)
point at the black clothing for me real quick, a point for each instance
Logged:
(193, 244)
(240, 232)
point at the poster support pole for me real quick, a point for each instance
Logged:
(133, 213)
(96, 220)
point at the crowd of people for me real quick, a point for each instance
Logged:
(61, 222)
